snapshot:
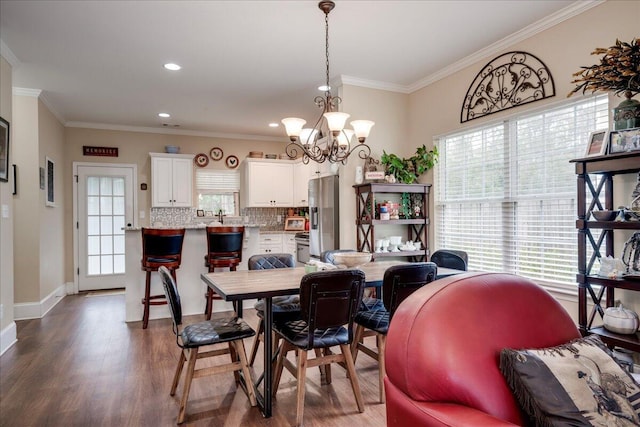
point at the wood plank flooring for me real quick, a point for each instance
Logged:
(82, 365)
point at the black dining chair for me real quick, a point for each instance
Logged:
(329, 301)
(224, 250)
(399, 282)
(449, 258)
(191, 338)
(369, 302)
(284, 307)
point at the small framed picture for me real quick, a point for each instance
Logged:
(621, 141)
(294, 223)
(50, 179)
(597, 145)
(4, 150)
(200, 212)
(208, 213)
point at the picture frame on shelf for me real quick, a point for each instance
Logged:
(200, 212)
(4, 150)
(598, 142)
(621, 141)
(294, 223)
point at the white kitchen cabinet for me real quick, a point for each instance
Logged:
(270, 243)
(289, 245)
(301, 175)
(171, 180)
(267, 183)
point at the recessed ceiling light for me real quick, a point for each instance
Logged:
(324, 88)
(273, 125)
(165, 115)
(171, 66)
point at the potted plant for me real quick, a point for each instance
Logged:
(617, 72)
(408, 170)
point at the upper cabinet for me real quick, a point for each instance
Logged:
(171, 180)
(266, 183)
(301, 175)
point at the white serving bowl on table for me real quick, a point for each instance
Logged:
(352, 259)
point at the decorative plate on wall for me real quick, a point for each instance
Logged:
(232, 162)
(201, 160)
(216, 153)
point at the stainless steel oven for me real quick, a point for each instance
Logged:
(302, 247)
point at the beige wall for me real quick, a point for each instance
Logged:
(134, 147)
(6, 198)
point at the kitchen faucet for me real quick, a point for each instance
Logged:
(220, 216)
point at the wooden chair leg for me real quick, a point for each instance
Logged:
(240, 351)
(381, 341)
(302, 375)
(193, 356)
(234, 358)
(322, 368)
(357, 338)
(277, 370)
(351, 369)
(146, 301)
(256, 342)
(327, 368)
(176, 376)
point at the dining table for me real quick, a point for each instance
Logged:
(237, 286)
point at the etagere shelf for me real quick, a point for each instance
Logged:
(590, 285)
(367, 219)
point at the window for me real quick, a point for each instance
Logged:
(506, 192)
(218, 190)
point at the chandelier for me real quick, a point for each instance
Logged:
(328, 139)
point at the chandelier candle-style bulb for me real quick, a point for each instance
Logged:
(362, 128)
(293, 126)
(344, 138)
(336, 121)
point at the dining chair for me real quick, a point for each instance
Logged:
(329, 300)
(284, 307)
(370, 301)
(160, 247)
(399, 282)
(191, 338)
(449, 258)
(224, 250)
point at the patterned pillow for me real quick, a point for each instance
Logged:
(577, 384)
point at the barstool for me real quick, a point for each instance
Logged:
(224, 249)
(160, 247)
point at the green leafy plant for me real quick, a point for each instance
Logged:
(408, 170)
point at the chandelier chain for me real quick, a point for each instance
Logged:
(326, 44)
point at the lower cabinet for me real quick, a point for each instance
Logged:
(275, 243)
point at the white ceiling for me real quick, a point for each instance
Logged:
(245, 63)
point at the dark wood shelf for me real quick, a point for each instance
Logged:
(628, 162)
(394, 221)
(630, 341)
(632, 285)
(401, 253)
(608, 225)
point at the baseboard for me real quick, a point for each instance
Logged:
(36, 310)
(8, 337)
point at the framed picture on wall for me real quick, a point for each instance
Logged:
(4, 150)
(49, 173)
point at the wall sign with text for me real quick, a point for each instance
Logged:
(88, 150)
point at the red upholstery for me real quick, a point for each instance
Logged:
(444, 343)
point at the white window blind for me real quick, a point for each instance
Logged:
(506, 192)
(218, 190)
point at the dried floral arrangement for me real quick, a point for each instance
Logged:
(618, 70)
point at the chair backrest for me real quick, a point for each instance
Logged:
(449, 258)
(400, 281)
(270, 261)
(327, 256)
(162, 243)
(452, 331)
(172, 296)
(225, 242)
(331, 299)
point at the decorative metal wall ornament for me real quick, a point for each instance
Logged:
(510, 80)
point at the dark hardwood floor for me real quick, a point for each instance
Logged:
(82, 365)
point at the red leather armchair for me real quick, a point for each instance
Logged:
(444, 342)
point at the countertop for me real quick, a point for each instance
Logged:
(201, 226)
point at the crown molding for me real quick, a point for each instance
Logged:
(8, 54)
(38, 93)
(25, 91)
(501, 45)
(143, 129)
(373, 84)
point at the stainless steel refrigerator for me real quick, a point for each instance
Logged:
(324, 215)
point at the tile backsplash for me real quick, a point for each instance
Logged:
(185, 216)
